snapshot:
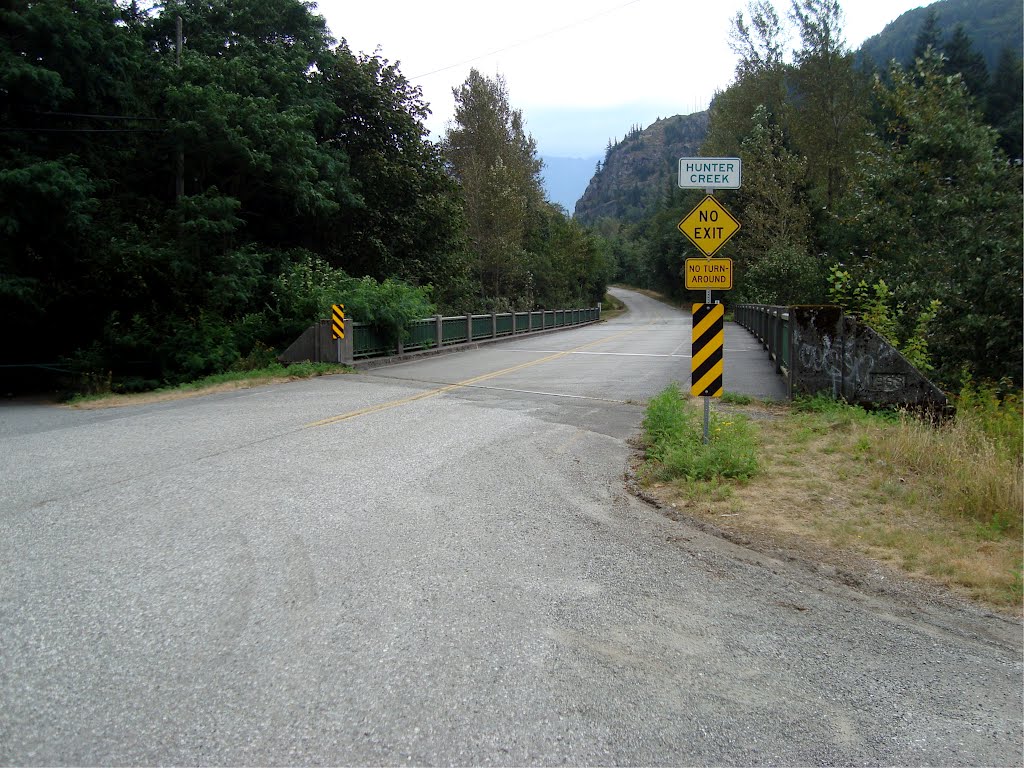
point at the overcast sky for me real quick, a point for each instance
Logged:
(581, 71)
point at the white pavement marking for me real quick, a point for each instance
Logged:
(608, 354)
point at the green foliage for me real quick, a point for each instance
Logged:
(915, 347)
(828, 105)
(824, 404)
(305, 289)
(783, 274)
(673, 433)
(1004, 103)
(772, 252)
(734, 398)
(495, 162)
(996, 411)
(876, 306)
(953, 235)
(292, 146)
(872, 304)
(524, 252)
(389, 306)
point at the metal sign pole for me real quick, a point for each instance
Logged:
(707, 398)
(709, 226)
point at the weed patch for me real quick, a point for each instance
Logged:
(674, 432)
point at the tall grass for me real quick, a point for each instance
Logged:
(674, 431)
(975, 460)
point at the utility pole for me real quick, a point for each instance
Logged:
(179, 176)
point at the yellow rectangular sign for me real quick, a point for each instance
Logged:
(337, 321)
(707, 360)
(708, 274)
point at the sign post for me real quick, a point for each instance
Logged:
(708, 226)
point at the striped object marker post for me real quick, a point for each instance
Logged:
(338, 325)
(707, 359)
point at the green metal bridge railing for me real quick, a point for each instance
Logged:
(770, 324)
(439, 331)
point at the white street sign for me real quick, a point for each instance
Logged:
(710, 172)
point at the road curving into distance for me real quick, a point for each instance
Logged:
(437, 562)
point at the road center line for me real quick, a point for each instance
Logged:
(468, 382)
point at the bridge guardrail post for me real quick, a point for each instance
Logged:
(778, 340)
(787, 345)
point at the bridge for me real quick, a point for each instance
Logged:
(788, 350)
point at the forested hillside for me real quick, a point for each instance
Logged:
(169, 213)
(629, 183)
(992, 26)
(897, 195)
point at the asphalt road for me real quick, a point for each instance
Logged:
(438, 562)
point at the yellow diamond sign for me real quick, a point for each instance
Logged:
(709, 226)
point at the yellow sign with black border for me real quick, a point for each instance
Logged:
(708, 274)
(709, 226)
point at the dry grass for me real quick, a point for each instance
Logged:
(163, 396)
(942, 504)
(227, 382)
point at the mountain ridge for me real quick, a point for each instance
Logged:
(638, 168)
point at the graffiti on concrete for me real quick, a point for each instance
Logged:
(833, 352)
(886, 382)
(837, 361)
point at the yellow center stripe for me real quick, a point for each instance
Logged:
(468, 382)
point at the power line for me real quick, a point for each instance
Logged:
(83, 130)
(541, 36)
(94, 117)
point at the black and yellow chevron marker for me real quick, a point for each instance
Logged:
(708, 339)
(337, 321)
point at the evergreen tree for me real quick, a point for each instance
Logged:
(760, 80)
(1004, 105)
(829, 102)
(292, 146)
(772, 250)
(494, 160)
(929, 37)
(963, 59)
